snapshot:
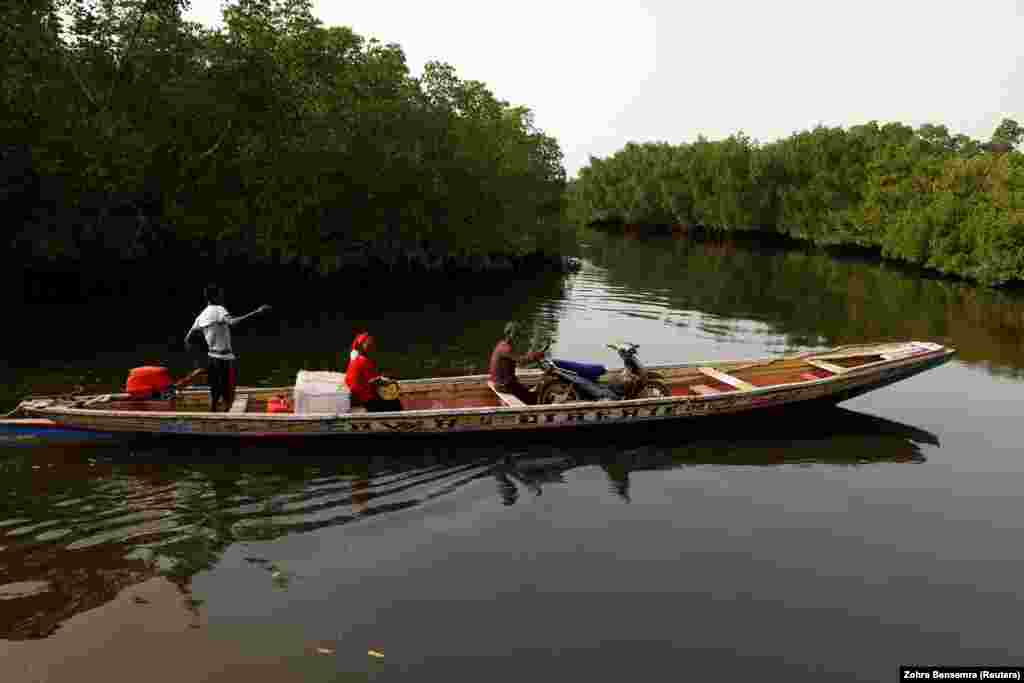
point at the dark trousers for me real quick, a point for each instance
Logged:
(517, 389)
(222, 376)
(379, 405)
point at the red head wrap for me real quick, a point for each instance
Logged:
(361, 339)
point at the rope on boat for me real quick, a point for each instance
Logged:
(74, 398)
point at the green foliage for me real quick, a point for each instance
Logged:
(923, 196)
(273, 139)
(1008, 133)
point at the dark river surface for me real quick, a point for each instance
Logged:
(888, 531)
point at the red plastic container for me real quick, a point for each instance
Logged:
(147, 380)
(279, 404)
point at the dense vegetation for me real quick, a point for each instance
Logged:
(133, 136)
(923, 196)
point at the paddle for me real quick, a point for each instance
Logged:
(189, 378)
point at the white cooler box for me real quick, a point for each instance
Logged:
(321, 392)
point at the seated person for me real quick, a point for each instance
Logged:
(362, 377)
(503, 366)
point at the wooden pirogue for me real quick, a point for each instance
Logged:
(456, 405)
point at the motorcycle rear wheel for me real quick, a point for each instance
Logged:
(557, 392)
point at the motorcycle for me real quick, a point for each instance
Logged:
(565, 381)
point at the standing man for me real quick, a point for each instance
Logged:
(215, 323)
(503, 366)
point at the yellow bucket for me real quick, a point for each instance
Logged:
(389, 391)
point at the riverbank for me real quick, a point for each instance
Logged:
(920, 196)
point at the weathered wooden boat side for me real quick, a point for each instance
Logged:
(33, 432)
(466, 404)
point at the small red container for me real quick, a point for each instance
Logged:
(279, 404)
(148, 380)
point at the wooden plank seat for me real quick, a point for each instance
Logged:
(704, 389)
(825, 365)
(241, 404)
(726, 378)
(508, 399)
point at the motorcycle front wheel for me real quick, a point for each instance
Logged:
(557, 392)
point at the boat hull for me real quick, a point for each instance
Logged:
(42, 432)
(900, 362)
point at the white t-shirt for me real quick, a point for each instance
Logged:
(213, 321)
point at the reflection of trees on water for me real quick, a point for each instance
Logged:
(814, 298)
(80, 528)
(55, 503)
(426, 332)
(89, 525)
(59, 583)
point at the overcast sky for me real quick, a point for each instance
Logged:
(599, 74)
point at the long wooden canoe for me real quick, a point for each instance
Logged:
(457, 405)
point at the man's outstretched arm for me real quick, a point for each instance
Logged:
(235, 320)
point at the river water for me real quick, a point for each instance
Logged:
(885, 532)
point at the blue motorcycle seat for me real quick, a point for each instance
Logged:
(587, 370)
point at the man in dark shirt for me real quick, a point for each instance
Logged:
(503, 366)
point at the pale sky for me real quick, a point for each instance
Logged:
(599, 74)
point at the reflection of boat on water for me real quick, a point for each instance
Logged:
(836, 436)
(457, 406)
(74, 548)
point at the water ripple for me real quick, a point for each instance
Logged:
(211, 507)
